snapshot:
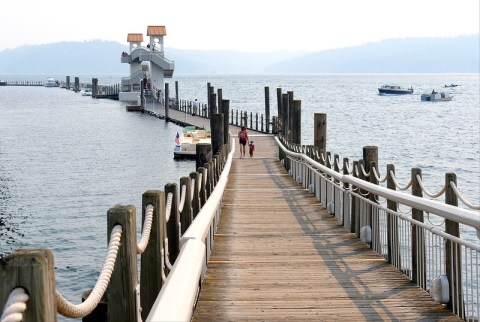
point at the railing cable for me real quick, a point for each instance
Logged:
(428, 193)
(15, 306)
(70, 310)
(147, 227)
(408, 185)
(462, 198)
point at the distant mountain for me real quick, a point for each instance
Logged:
(411, 55)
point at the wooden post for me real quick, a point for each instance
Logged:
(453, 253)
(217, 132)
(219, 101)
(177, 102)
(186, 217)
(279, 107)
(142, 97)
(33, 270)
(173, 223)
(290, 115)
(370, 154)
(167, 102)
(202, 191)
(267, 109)
(226, 112)
(320, 131)
(121, 290)
(209, 92)
(212, 108)
(196, 196)
(67, 82)
(347, 222)
(393, 247)
(355, 225)
(203, 154)
(285, 116)
(297, 122)
(151, 262)
(418, 242)
(209, 183)
(375, 224)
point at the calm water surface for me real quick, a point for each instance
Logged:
(65, 159)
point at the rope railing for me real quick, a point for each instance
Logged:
(365, 173)
(15, 306)
(70, 310)
(462, 198)
(182, 198)
(377, 175)
(168, 206)
(408, 185)
(428, 193)
(147, 227)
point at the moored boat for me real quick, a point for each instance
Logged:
(3, 83)
(394, 89)
(436, 97)
(87, 92)
(185, 143)
(50, 82)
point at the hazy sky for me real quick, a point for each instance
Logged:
(246, 25)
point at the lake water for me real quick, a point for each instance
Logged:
(65, 159)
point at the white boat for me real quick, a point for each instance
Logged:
(186, 142)
(394, 89)
(50, 82)
(436, 97)
(86, 92)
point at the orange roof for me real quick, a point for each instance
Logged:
(156, 31)
(135, 38)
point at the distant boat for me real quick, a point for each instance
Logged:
(452, 85)
(50, 82)
(436, 97)
(394, 89)
(87, 92)
(3, 83)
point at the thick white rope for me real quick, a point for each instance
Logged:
(462, 198)
(182, 198)
(365, 174)
(168, 206)
(15, 306)
(408, 185)
(428, 193)
(200, 178)
(377, 176)
(65, 308)
(337, 163)
(192, 189)
(147, 228)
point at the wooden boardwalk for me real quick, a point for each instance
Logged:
(279, 256)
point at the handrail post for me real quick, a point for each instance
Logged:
(202, 194)
(375, 222)
(151, 263)
(33, 270)
(453, 253)
(121, 290)
(418, 242)
(195, 199)
(355, 224)
(173, 223)
(186, 217)
(393, 247)
(347, 221)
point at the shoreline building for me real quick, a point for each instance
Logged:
(147, 63)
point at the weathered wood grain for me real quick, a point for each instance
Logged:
(279, 256)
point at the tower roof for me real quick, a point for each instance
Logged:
(156, 31)
(135, 38)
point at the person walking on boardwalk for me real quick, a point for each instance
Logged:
(243, 139)
(195, 107)
(251, 148)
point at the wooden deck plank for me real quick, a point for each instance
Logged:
(278, 255)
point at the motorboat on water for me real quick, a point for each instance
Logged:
(436, 97)
(451, 85)
(3, 83)
(86, 92)
(394, 89)
(186, 142)
(50, 82)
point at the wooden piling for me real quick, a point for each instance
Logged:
(203, 154)
(418, 241)
(121, 295)
(217, 132)
(297, 122)
(167, 102)
(33, 270)
(267, 109)
(393, 255)
(196, 197)
(173, 223)
(453, 253)
(186, 217)
(151, 262)
(226, 112)
(320, 132)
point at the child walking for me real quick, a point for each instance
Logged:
(251, 148)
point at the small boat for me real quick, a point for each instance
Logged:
(50, 82)
(452, 85)
(185, 143)
(86, 92)
(3, 83)
(394, 89)
(436, 97)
